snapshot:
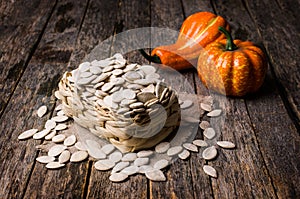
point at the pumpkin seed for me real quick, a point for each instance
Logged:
(42, 111)
(155, 175)
(118, 177)
(200, 143)
(174, 150)
(41, 134)
(184, 154)
(162, 147)
(54, 165)
(27, 134)
(209, 170)
(215, 113)
(209, 153)
(45, 159)
(69, 141)
(56, 150)
(226, 144)
(79, 156)
(130, 170)
(190, 147)
(64, 157)
(141, 161)
(58, 138)
(209, 133)
(104, 165)
(161, 164)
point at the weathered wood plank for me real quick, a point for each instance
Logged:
(21, 27)
(20, 175)
(180, 180)
(202, 184)
(232, 182)
(278, 139)
(279, 30)
(130, 14)
(265, 146)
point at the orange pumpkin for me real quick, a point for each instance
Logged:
(197, 31)
(232, 68)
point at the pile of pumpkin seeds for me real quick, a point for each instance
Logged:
(125, 103)
(64, 142)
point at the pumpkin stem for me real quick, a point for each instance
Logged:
(229, 43)
(154, 59)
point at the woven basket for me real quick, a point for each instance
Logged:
(128, 132)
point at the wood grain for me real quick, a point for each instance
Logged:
(279, 31)
(128, 15)
(41, 39)
(34, 89)
(266, 147)
(21, 28)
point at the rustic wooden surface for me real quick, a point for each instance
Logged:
(39, 40)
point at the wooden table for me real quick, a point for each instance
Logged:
(40, 40)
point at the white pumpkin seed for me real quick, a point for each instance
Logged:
(129, 157)
(115, 156)
(209, 170)
(50, 135)
(174, 150)
(214, 113)
(84, 66)
(69, 141)
(104, 165)
(118, 177)
(108, 148)
(128, 94)
(56, 150)
(205, 107)
(200, 143)
(64, 157)
(106, 87)
(184, 154)
(41, 134)
(45, 159)
(209, 153)
(186, 104)
(209, 133)
(144, 168)
(79, 156)
(54, 165)
(204, 125)
(161, 164)
(95, 70)
(155, 175)
(60, 118)
(190, 146)
(141, 161)
(60, 127)
(27, 134)
(162, 147)
(144, 153)
(226, 144)
(50, 124)
(130, 170)
(81, 146)
(42, 111)
(58, 138)
(119, 166)
(147, 69)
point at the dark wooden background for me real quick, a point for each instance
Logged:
(40, 39)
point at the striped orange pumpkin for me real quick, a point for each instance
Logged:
(232, 67)
(197, 31)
